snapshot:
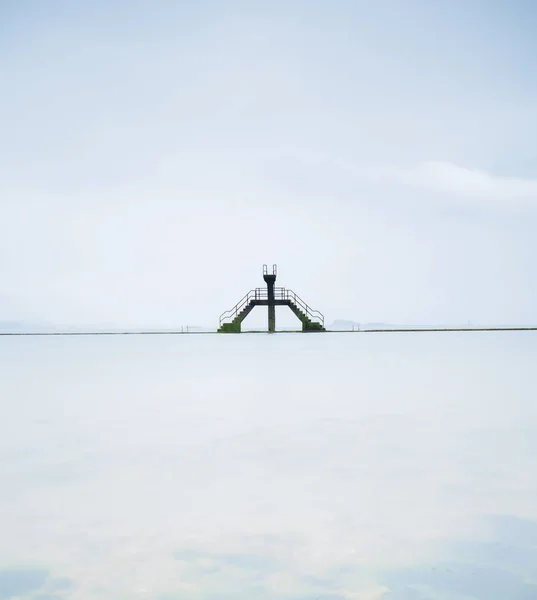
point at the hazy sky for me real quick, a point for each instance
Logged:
(153, 155)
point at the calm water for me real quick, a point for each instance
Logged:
(295, 467)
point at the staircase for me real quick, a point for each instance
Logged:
(231, 320)
(234, 326)
(307, 323)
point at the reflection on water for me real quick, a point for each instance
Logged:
(351, 466)
(505, 566)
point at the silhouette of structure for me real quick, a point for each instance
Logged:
(231, 320)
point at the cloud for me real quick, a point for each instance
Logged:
(342, 178)
(459, 182)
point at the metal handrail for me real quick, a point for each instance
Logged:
(312, 314)
(280, 293)
(238, 307)
(274, 270)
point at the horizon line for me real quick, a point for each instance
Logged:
(177, 332)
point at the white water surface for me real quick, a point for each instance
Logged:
(352, 466)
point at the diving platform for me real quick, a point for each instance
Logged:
(271, 296)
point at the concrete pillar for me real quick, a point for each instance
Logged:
(270, 281)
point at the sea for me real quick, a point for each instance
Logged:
(326, 466)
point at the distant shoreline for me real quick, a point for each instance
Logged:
(413, 330)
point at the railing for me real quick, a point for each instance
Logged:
(280, 293)
(314, 315)
(242, 303)
(274, 270)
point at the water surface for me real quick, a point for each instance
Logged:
(296, 467)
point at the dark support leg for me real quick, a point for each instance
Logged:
(270, 281)
(271, 307)
(271, 318)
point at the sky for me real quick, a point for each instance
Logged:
(154, 155)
